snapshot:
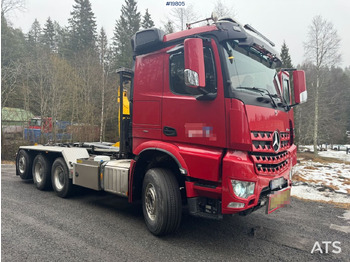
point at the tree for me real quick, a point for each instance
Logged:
(82, 27)
(49, 35)
(286, 59)
(11, 5)
(169, 27)
(12, 43)
(147, 21)
(103, 54)
(222, 10)
(127, 25)
(181, 16)
(34, 34)
(322, 50)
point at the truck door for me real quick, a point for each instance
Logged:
(186, 119)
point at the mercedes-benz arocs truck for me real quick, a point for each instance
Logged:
(210, 126)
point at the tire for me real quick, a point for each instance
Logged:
(61, 183)
(41, 172)
(161, 201)
(24, 165)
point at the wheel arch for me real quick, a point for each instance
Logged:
(152, 157)
(48, 154)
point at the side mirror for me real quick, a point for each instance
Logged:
(194, 63)
(300, 92)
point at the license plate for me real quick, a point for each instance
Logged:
(278, 199)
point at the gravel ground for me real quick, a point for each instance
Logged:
(96, 226)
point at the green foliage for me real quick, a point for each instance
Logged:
(49, 35)
(82, 27)
(34, 35)
(12, 44)
(147, 21)
(334, 110)
(127, 25)
(285, 56)
(169, 27)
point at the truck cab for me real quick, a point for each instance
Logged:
(210, 103)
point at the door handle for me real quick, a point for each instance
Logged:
(169, 131)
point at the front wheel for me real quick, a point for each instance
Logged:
(161, 201)
(60, 178)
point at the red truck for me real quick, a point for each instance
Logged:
(210, 127)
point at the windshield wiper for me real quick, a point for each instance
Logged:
(261, 91)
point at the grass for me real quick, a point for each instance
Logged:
(8, 162)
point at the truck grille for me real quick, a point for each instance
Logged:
(266, 160)
(262, 141)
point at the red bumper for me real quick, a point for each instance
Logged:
(238, 165)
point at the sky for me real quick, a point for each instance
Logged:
(279, 20)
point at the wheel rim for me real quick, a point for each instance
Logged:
(38, 172)
(22, 164)
(59, 178)
(151, 201)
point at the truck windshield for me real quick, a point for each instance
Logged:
(250, 70)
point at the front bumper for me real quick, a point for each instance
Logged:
(239, 165)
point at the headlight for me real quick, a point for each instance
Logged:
(243, 189)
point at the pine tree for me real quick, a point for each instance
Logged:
(82, 27)
(286, 59)
(34, 34)
(169, 27)
(147, 21)
(103, 54)
(49, 35)
(127, 25)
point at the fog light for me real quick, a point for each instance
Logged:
(235, 205)
(243, 189)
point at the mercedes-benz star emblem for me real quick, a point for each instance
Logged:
(276, 141)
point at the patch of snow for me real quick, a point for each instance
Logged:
(341, 155)
(311, 193)
(333, 175)
(322, 181)
(335, 154)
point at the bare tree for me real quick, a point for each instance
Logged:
(223, 10)
(181, 16)
(11, 5)
(322, 50)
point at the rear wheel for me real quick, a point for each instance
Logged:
(41, 172)
(161, 201)
(24, 164)
(60, 178)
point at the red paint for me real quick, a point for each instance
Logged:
(195, 60)
(238, 127)
(299, 84)
(38, 122)
(214, 140)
